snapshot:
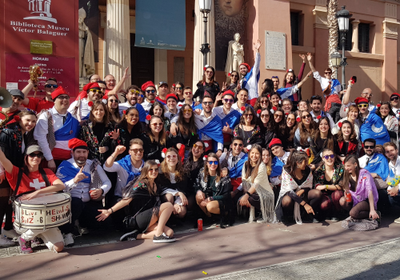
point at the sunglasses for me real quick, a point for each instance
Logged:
(215, 162)
(248, 115)
(157, 124)
(369, 147)
(265, 116)
(113, 100)
(153, 170)
(37, 155)
(151, 91)
(51, 86)
(171, 156)
(188, 92)
(306, 116)
(236, 144)
(179, 88)
(362, 105)
(137, 150)
(264, 101)
(328, 73)
(187, 111)
(278, 116)
(96, 90)
(62, 97)
(227, 100)
(197, 146)
(394, 98)
(207, 103)
(234, 76)
(329, 156)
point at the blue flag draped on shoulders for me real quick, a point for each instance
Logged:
(213, 130)
(287, 92)
(373, 127)
(233, 119)
(69, 130)
(378, 164)
(126, 164)
(67, 171)
(236, 170)
(277, 167)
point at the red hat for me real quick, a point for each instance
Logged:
(57, 92)
(228, 92)
(395, 93)
(359, 100)
(91, 85)
(76, 143)
(147, 84)
(171, 95)
(245, 64)
(274, 142)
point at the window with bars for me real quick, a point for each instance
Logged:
(295, 26)
(349, 38)
(363, 37)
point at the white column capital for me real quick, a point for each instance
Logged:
(320, 19)
(390, 28)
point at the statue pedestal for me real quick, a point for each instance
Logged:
(82, 83)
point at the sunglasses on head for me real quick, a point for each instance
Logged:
(51, 86)
(215, 162)
(362, 105)
(329, 156)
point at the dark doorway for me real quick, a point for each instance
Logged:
(142, 64)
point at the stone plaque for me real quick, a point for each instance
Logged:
(275, 50)
(41, 47)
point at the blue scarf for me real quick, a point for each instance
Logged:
(236, 170)
(126, 163)
(233, 119)
(373, 127)
(378, 164)
(213, 130)
(69, 130)
(67, 171)
(277, 167)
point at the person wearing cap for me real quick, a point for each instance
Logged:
(207, 84)
(37, 181)
(13, 140)
(81, 108)
(150, 91)
(279, 160)
(162, 92)
(172, 102)
(250, 80)
(131, 101)
(87, 183)
(228, 115)
(39, 104)
(17, 98)
(395, 103)
(55, 128)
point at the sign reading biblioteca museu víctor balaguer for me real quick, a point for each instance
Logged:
(24, 22)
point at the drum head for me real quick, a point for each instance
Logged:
(46, 199)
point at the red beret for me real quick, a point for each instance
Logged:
(76, 143)
(91, 85)
(274, 142)
(228, 92)
(395, 93)
(245, 64)
(58, 91)
(147, 84)
(171, 95)
(359, 100)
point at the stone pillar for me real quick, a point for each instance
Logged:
(355, 35)
(160, 66)
(118, 49)
(198, 40)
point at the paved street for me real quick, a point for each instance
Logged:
(219, 251)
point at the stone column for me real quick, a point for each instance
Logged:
(160, 66)
(355, 35)
(198, 40)
(118, 49)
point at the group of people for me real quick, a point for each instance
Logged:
(165, 154)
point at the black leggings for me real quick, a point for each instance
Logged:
(312, 197)
(360, 211)
(6, 209)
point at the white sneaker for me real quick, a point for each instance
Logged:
(397, 221)
(9, 233)
(4, 242)
(68, 240)
(261, 221)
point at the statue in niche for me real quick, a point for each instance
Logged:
(86, 51)
(235, 55)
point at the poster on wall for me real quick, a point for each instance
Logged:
(230, 18)
(51, 23)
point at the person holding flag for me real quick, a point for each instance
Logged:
(250, 80)
(289, 91)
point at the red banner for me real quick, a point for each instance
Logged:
(46, 20)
